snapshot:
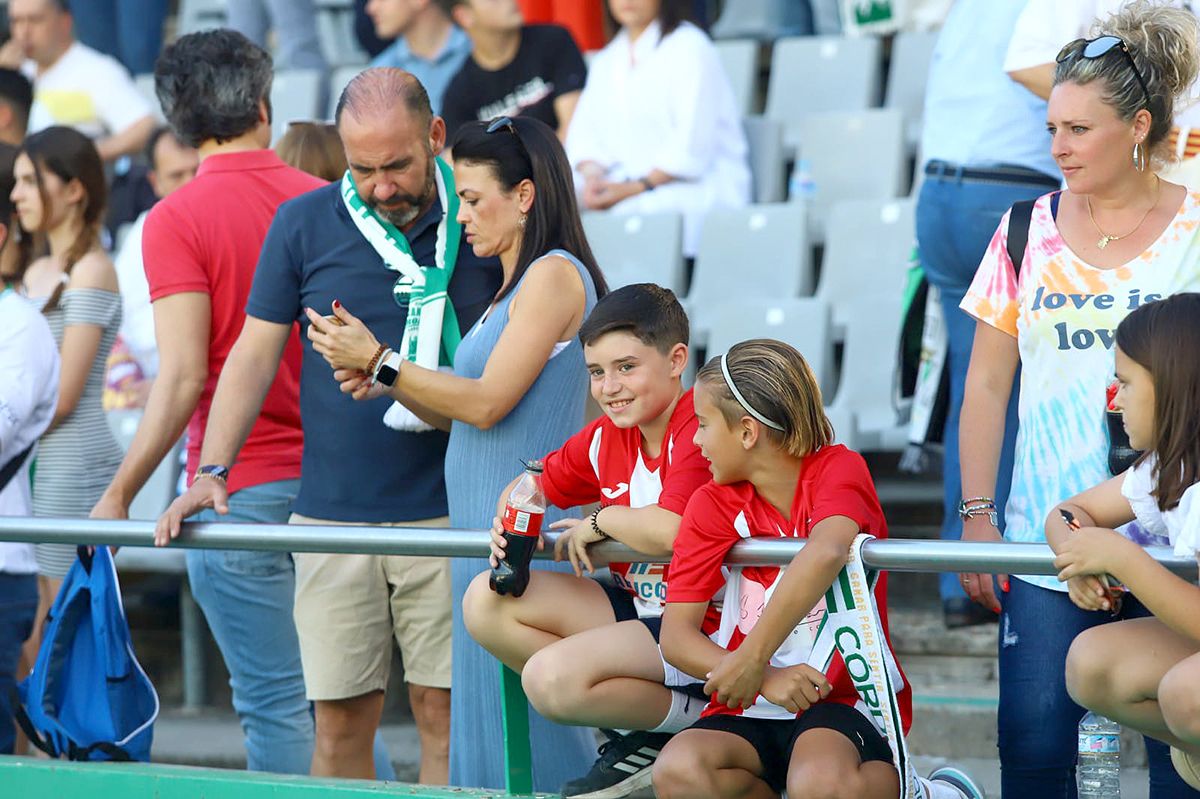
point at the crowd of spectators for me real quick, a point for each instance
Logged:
(372, 320)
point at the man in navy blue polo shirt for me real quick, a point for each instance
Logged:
(356, 470)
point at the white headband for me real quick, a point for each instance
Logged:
(742, 400)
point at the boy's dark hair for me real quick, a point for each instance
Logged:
(648, 312)
(17, 91)
(1163, 338)
(210, 84)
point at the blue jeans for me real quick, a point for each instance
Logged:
(130, 31)
(956, 220)
(247, 599)
(18, 604)
(1038, 721)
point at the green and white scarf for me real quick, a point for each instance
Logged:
(431, 333)
(851, 627)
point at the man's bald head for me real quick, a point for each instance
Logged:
(376, 92)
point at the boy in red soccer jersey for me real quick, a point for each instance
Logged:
(774, 720)
(587, 651)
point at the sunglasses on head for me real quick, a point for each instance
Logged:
(506, 123)
(1100, 47)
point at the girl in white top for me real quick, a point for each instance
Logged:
(1143, 672)
(657, 127)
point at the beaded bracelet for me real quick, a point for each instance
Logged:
(596, 525)
(375, 359)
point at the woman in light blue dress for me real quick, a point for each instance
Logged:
(517, 391)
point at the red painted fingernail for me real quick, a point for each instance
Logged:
(997, 608)
(337, 304)
(1005, 586)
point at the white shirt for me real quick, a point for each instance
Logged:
(1045, 26)
(137, 315)
(85, 90)
(664, 102)
(29, 367)
(1181, 524)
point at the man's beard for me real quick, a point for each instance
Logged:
(406, 207)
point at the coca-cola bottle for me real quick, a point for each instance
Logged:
(522, 523)
(1120, 455)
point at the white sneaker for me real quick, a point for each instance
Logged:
(949, 782)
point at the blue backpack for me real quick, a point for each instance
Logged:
(87, 696)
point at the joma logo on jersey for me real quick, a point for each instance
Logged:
(858, 667)
(613, 493)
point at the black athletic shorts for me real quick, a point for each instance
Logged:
(624, 610)
(773, 739)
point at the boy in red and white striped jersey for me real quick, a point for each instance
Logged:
(588, 651)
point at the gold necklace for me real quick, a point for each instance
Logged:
(1105, 238)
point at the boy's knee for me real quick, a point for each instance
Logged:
(679, 773)
(478, 605)
(549, 686)
(817, 782)
(1180, 704)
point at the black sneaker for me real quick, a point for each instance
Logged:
(623, 767)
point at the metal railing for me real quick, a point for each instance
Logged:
(890, 555)
(905, 555)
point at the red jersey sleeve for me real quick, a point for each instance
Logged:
(171, 254)
(687, 471)
(568, 474)
(706, 535)
(845, 488)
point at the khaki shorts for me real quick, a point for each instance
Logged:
(349, 607)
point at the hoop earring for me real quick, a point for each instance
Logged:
(1139, 157)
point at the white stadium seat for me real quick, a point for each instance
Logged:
(853, 155)
(295, 95)
(868, 245)
(764, 141)
(812, 74)
(760, 251)
(912, 52)
(739, 57)
(801, 322)
(637, 248)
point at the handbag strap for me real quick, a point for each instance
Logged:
(12, 467)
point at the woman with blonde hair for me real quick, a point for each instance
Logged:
(1117, 237)
(315, 148)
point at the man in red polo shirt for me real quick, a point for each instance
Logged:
(200, 248)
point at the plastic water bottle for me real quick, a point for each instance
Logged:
(1098, 771)
(801, 186)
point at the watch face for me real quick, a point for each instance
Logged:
(386, 375)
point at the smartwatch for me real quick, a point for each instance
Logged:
(388, 369)
(212, 471)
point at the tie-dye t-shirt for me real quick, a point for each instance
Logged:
(1064, 314)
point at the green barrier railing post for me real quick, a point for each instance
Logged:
(518, 756)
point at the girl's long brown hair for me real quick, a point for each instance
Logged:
(1163, 337)
(70, 155)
